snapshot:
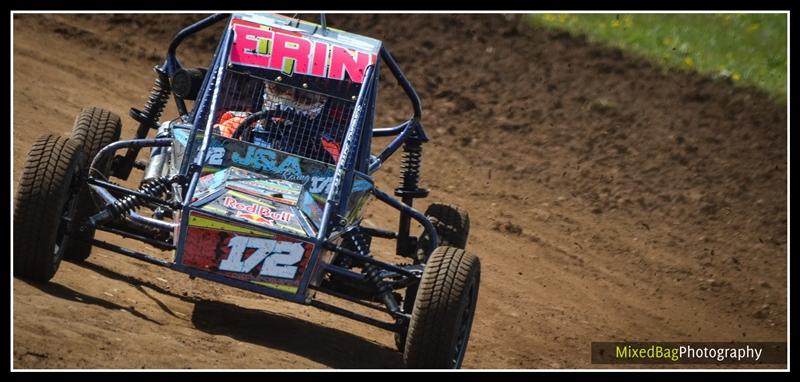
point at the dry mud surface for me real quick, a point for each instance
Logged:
(610, 200)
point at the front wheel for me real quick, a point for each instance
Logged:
(46, 200)
(443, 311)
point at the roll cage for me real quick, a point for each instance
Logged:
(355, 160)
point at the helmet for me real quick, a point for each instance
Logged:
(283, 97)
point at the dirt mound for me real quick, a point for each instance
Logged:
(610, 200)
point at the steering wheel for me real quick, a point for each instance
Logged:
(263, 114)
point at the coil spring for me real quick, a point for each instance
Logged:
(357, 243)
(154, 187)
(159, 95)
(360, 243)
(373, 274)
(411, 163)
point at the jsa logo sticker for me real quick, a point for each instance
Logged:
(277, 258)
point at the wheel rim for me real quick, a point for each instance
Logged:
(464, 329)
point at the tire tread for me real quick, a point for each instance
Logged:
(41, 194)
(439, 301)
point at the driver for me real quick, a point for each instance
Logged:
(306, 105)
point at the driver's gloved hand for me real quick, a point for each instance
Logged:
(229, 121)
(330, 145)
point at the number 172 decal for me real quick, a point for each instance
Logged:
(277, 258)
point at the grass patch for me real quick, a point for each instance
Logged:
(747, 49)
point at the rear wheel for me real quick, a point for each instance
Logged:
(94, 128)
(451, 224)
(47, 197)
(443, 311)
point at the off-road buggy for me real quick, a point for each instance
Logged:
(262, 185)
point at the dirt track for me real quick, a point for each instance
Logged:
(610, 200)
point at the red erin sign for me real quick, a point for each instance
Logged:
(293, 53)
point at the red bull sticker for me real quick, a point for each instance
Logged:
(256, 211)
(250, 209)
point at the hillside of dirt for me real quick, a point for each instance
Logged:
(610, 199)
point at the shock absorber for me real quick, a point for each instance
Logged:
(384, 290)
(153, 187)
(408, 191)
(147, 118)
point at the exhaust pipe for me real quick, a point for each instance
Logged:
(158, 155)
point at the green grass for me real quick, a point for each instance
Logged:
(748, 49)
